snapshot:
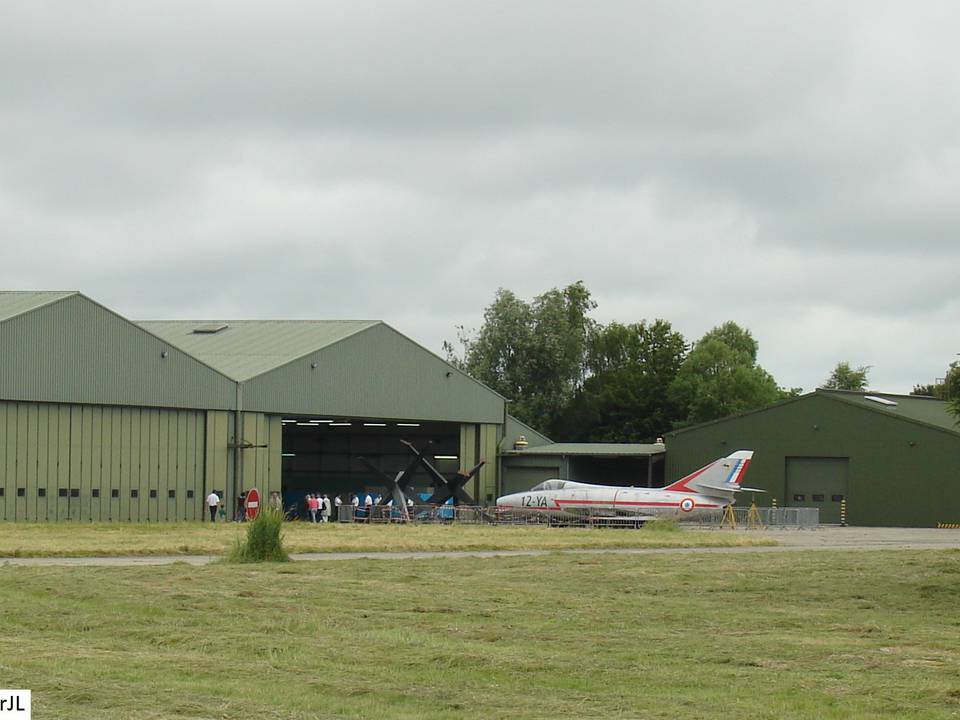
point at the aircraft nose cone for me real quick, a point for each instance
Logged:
(508, 501)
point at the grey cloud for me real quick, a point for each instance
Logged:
(790, 167)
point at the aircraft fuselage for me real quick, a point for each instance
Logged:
(610, 501)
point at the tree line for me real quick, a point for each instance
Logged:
(579, 380)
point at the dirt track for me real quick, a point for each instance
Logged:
(859, 538)
(824, 538)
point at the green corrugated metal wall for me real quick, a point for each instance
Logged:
(522, 472)
(76, 351)
(218, 461)
(479, 442)
(377, 373)
(900, 473)
(261, 465)
(66, 462)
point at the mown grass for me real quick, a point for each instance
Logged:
(817, 635)
(89, 540)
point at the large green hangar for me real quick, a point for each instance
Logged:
(895, 459)
(102, 418)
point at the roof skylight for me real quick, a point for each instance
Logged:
(210, 329)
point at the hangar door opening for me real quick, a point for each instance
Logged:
(518, 478)
(646, 471)
(817, 482)
(320, 455)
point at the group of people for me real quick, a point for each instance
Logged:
(320, 506)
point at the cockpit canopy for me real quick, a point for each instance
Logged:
(557, 485)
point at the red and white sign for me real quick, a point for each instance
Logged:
(252, 504)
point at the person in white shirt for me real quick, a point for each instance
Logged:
(213, 500)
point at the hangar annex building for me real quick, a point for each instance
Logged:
(895, 459)
(102, 418)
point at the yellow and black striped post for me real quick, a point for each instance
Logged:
(843, 512)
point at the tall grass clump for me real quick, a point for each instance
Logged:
(662, 524)
(264, 540)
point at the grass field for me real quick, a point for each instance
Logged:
(85, 540)
(798, 635)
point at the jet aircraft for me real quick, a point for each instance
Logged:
(710, 488)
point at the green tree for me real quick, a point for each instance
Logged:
(531, 353)
(949, 389)
(845, 377)
(721, 377)
(625, 397)
(946, 389)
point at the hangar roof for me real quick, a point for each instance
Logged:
(911, 408)
(514, 428)
(17, 302)
(594, 449)
(918, 408)
(243, 349)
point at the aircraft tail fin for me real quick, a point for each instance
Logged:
(721, 477)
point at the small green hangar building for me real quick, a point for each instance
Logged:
(895, 459)
(103, 418)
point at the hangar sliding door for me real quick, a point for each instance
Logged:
(94, 463)
(817, 482)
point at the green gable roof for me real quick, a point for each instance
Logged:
(18, 302)
(594, 449)
(513, 429)
(912, 408)
(243, 349)
(927, 410)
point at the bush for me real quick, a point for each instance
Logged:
(264, 541)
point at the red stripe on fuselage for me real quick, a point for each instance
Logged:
(631, 503)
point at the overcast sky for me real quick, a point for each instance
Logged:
(794, 167)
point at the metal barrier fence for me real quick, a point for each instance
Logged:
(788, 517)
(465, 514)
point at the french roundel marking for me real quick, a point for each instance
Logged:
(686, 505)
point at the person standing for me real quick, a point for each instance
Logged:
(312, 506)
(325, 508)
(368, 506)
(213, 500)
